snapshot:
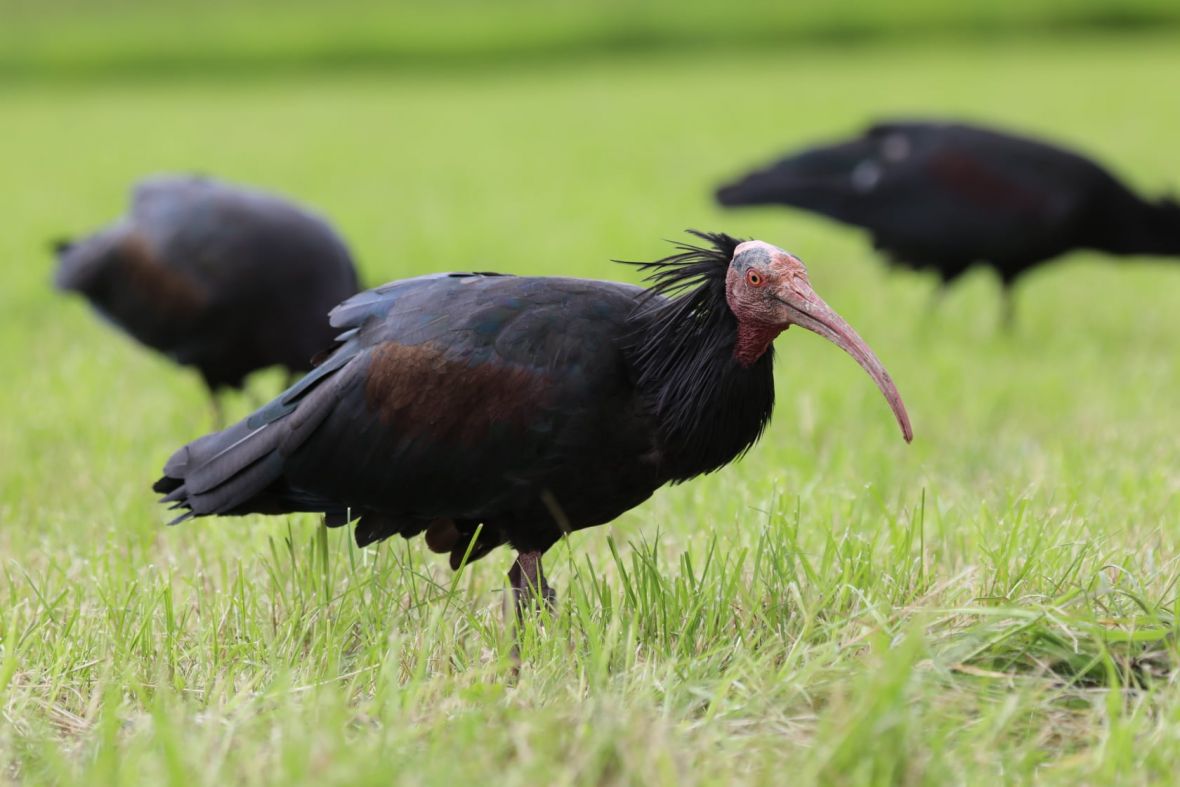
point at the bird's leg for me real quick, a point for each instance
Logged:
(218, 410)
(929, 318)
(1008, 308)
(528, 582)
(937, 297)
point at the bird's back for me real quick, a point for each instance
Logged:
(239, 241)
(225, 278)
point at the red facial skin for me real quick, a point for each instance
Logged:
(768, 291)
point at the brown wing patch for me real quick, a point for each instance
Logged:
(417, 389)
(980, 185)
(167, 287)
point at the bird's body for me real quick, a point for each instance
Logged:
(521, 407)
(222, 278)
(945, 196)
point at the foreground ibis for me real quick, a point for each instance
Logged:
(945, 196)
(484, 409)
(222, 278)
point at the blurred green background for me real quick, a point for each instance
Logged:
(82, 37)
(995, 601)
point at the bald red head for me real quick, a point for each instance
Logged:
(768, 291)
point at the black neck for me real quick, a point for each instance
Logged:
(709, 409)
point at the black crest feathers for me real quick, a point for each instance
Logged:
(682, 348)
(692, 266)
(685, 312)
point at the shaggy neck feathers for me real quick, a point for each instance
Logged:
(706, 379)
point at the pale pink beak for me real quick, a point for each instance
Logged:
(804, 308)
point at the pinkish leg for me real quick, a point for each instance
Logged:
(528, 582)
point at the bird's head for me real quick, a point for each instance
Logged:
(768, 291)
(760, 187)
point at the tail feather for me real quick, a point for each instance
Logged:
(232, 459)
(239, 470)
(233, 494)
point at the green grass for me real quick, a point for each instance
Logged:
(995, 603)
(77, 39)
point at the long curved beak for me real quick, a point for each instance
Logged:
(807, 310)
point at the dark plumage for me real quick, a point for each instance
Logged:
(948, 195)
(223, 278)
(483, 409)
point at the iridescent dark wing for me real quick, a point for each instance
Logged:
(448, 396)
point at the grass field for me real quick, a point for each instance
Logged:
(996, 602)
(76, 39)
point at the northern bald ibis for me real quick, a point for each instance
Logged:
(219, 277)
(484, 409)
(944, 196)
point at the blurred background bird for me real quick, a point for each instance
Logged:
(484, 409)
(223, 278)
(944, 196)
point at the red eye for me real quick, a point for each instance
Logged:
(754, 278)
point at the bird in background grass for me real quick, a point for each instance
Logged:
(945, 196)
(483, 410)
(223, 278)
